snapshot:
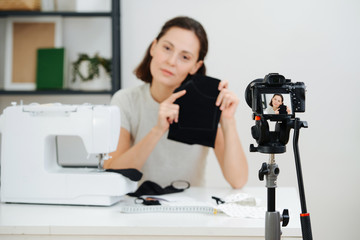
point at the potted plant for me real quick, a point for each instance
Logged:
(91, 73)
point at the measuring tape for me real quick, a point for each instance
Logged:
(168, 209)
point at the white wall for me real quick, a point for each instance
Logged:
(315, 42)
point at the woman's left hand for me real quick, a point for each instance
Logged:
(227, 100)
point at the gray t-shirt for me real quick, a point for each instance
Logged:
(170, 160)
(269, 110)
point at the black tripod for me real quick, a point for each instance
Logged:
(273, 143)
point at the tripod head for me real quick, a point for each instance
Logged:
(270, 141)
(273, 142)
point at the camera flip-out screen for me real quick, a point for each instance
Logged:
(275, 98)
(276, 104)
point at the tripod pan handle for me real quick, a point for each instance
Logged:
(306, 226)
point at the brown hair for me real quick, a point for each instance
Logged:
(277, 94)
(143, 70)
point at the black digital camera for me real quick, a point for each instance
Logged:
(275, 98)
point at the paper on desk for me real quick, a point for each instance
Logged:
(242, 205)
(235, 210)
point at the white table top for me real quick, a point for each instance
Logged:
(39, 220)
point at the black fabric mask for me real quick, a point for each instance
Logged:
(198, 116)
(151, 188)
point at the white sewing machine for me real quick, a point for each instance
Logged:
(29, 169)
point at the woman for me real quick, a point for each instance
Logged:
(276, 101)
(148, 110)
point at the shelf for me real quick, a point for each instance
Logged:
(62, 14)
(54, 92)
(114, 15)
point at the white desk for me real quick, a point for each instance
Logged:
(30, 221)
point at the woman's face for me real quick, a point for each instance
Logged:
(174, 56)
(276, 101)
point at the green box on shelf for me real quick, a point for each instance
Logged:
(50, 68)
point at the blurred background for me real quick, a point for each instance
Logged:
(316, 42)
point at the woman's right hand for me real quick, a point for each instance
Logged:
(168, 111)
